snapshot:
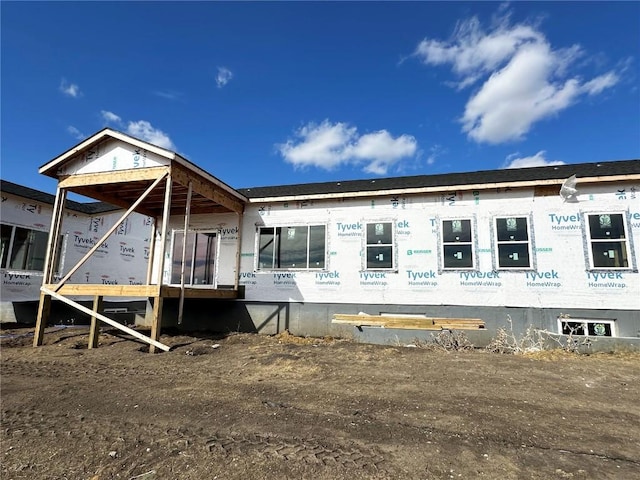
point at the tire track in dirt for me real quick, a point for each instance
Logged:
(304, 450)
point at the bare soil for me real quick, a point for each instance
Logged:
(282, 407)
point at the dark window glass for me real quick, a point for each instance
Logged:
(456, 231)
(609, 254)
(458, 256)
(513, 255)
(379, 233)
(379, 257)
(606, 226)
(292, 247)
(512, 229)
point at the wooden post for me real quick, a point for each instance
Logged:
(187, 216)
(238, 252)
(156, 323)
(94, 332)
(152, 248)
(44, 307)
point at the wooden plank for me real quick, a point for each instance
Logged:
(187, 217)
(115, 176)
(409, 322)
(92, 289)
(94, 331)
(113, 323)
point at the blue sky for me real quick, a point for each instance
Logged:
(295, 92)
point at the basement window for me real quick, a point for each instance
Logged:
(593, 327)
(294, 247)
(608, 242)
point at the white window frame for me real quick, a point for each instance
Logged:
(585, 322)
(393, 245)
(529, 242)
(259, 268)
(471, 243)
(624, 241)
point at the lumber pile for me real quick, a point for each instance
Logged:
(416, 322)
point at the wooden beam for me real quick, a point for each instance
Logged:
(109, 232)
(238, 248)
(206, 189)
(115, 176)
(94, 331)
(44, 305)
(92, 289)
(44, 308)
(113, 323)
(187, 217)
(152, 248)
(156, 322)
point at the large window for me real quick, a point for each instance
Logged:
(513, 242)
(609, 247)
(379, 245)
(296, 247)
(23, 248)
(199, 263)
(457, 244)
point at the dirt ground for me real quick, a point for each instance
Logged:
(282, 407)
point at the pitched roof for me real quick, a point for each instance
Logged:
(506, 177)
(90, 208)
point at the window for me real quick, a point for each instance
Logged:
(584, 327)
(609, 247)
(22, 248)
(199, 261)
(379, 245)
(513, 242)
(457, 244)
(298, 247)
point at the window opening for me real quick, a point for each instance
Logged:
(608, 241)
(513, 242)
(457, 244)
(293, 247)
(379, 245)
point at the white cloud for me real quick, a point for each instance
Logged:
(141, 129)
(329, 145)
(223, 77)
(145, 131)
(168, 94)
(70, 89)
(524, 80)
(110, 117)
(75, 133)
(434, 153)
(537, 160)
